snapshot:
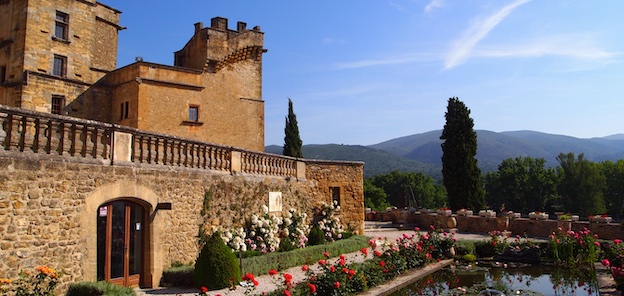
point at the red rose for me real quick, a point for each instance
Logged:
(204, 289)
(288, 277)
(248, 277)
(272, 272)
(337, 285)
(312, 288)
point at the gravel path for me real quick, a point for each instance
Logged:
(269, 283)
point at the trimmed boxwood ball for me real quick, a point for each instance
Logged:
(216, 265)
(316, 236)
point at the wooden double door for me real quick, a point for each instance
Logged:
(120, 242)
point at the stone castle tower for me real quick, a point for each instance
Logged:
(60, 57)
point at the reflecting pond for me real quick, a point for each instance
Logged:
(510, 279)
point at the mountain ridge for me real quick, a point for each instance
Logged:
(423, 153)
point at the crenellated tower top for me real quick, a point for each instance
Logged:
(212, 48)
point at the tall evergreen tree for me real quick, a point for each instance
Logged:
(462, 176)
(292, 141)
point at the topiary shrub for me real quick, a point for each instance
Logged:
(316, 236)
(216, 265)
(286, 245)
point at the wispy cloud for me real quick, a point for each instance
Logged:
(576, 47)
(394, 60)
(479, 28)
(433, 5)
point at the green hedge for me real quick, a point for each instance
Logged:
(183, 275)
(98, 288)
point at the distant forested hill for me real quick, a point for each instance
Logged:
(423, 153)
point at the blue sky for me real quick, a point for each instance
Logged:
(366, 71)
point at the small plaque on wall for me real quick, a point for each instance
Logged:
(275, 202)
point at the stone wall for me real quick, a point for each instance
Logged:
(515, 226)
(48, 207)
(90, 49)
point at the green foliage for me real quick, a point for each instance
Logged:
(292, 141)
(206, 205)
(614, 193)
(39, 283)
(495, 245)
(216, 265)
(574, 249)
(463, 247)
(613, 254)
(410, 189)
(469, 258)
(308, 255)
(316, 236)
(522, 184)
(178, 276)
(462, 176)
(286, 245)
(375, 197)
(582, 185)
(98, 288)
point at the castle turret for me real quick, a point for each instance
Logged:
(212, 48)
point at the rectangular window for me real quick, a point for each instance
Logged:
(335, 194)
(60, 66)
(193, 113)
(58, 103)
(61, 29)
(123, 111)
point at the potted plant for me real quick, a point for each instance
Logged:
(564, 222)
(604, 218)
(464, 212)
(444, 211)
(538, 215)
(487, 213)
(512, 214)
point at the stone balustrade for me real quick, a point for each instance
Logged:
(84, 140)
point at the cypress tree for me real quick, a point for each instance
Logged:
(292, 141)
(462, 176)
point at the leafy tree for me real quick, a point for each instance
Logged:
(582, 185)
(374, 197)
(410, 189)
(614, 191)
(462, 176)
(292, 141)
(521, 185)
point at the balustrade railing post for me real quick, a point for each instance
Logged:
(72, 139)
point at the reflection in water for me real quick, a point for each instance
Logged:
(517, 280)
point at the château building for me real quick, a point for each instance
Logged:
(60, 57)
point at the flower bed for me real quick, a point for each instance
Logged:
(340, 277)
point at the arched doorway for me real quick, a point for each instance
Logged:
(121, 242)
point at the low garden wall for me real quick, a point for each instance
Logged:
(516, 226)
